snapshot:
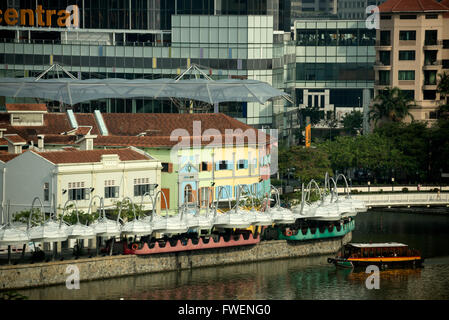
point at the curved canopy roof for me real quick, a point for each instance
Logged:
(72, 91)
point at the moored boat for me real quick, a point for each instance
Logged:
(383, 255)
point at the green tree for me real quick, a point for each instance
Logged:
(391, 104)
(309, 163)
(443, 87)
(353, 122)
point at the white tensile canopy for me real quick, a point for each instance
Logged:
(72, 91)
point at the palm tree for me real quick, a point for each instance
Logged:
(392, 104)
(443, 86)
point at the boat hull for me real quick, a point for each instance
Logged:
(382, 263)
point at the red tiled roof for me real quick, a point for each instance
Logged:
(411, 6)
(82, 131)
(41, 107)
(164, 124)
(90, 156)
(15, 138)
(5, 157)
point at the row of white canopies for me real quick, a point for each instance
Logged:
(330, 207)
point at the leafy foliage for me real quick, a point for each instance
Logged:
(309, 163)
(392, 104)
(352, 122)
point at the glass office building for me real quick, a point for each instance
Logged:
(157, 39)
(334, 66)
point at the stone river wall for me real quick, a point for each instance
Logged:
(54, 273)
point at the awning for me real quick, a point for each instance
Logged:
(72, 91)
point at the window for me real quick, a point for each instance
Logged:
(167, 167)
(204, 166)
(407, 55)
(242, 164)
(407, 75)
(384, 77)
(384, 57)
(46, 191)
(430, 94)
(445, 64)
(110, 189)
(111, 192)
(385, 38)
(222, 165)
(385, 17)
(205, 196)
(409, 94)
(430, 77)
(143, 186)
(188, 194)
(431, 16)
(445, 44)
(431, 37)
(77, 191)
(407, 35)
(408, 16)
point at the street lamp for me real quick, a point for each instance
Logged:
(392, 180)
(369, 184)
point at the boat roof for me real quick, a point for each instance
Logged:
(378, 245)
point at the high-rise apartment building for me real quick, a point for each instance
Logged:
(412, 49)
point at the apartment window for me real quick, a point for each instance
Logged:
(385, 38)
(384, 77)
(430, 77)
(408, 16)
(385, 17)
(407, 55)
(110, 189)
(77, 191)
(409, 94)
(445, 44)
(407, 75)
(143, 186)
(430, 57)
(431, 37)
(430, 94)
(431, 16)
(46, 191)
(445, 64)
(384, 57)
(407, 35)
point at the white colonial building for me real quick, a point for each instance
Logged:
(78, 175)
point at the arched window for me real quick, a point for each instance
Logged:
(188, 194)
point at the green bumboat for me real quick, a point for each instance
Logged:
(345, 229)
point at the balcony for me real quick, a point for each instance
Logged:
(406, 83)
(407, 43)
(383, 44)
(382, 83)
(432, 64)
(382, 65)
(432, 44)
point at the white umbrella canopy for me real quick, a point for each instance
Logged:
(9, 235)
(235, 218)
(170, 224)
(258, 218)
(104, 227)
(48, 231)
(77, 230)
(136, 227)
(281, 215)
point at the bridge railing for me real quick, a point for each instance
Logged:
(404, 199)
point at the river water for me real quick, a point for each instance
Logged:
(302, 278)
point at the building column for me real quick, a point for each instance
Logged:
(366, 104)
